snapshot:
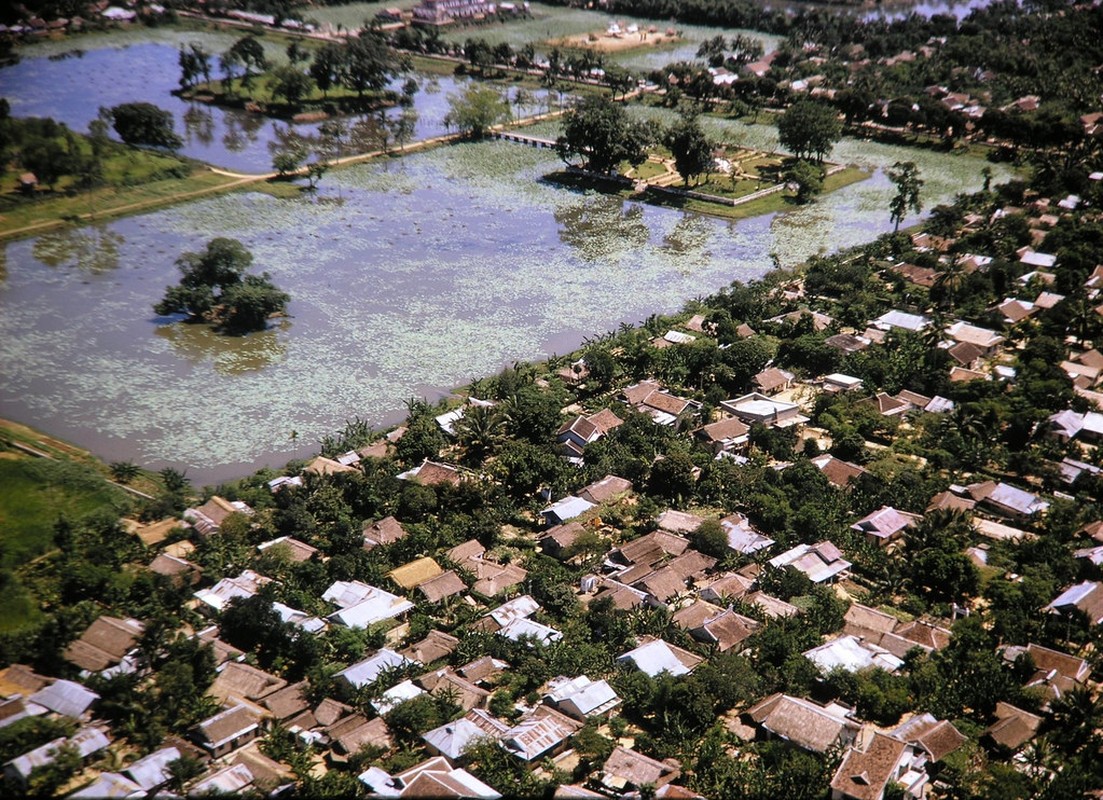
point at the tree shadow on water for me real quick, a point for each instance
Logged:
(198, 343)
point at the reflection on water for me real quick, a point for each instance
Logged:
(230, 355)
(93, 249)
(72, 91)
(198, 125)
(600, 227)
(689, 237)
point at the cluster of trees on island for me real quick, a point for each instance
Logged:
(215, 287)
(363, 64)
(60, 158)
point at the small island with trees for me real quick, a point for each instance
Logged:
(215, 288)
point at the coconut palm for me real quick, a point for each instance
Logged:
(480, 431)
(949, 282)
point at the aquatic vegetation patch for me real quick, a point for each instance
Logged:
(408, 277)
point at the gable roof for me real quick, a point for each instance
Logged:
(730, 429)
(805, 723)
(226, 726)
(580, 697)
(467, 694)
(442, 586)
(434, 777)
(241, 681)
(626, 768)
(605, 489)
(937, 738)
(981, 337)
(965, 353)
(743, 537)
(885, 522)
(287, 702)
(865, 773)
(604, 420)
(651, 546)
(152, 771)
(433, 473)
(417, 571)
(726, 629)
(848, 653)
(820, 562)
(470, 550)
(298, 551)
(838, 472)
(67, 698)
(435, 646)
(1013, 727)
(104, 643)
(1087, 597)
(771, 379)
(656, 656)
(385, 531)
(537, 734)
(663, 585)
(493, 579)
(453, 738)
(365, 672)
(362, 605)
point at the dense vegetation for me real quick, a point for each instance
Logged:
(214, 287)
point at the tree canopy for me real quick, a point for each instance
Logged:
(214, 287)
(475, 110)
(145, 124)
(601, 132)
(905, 175)
(809, 129)
(691, 148)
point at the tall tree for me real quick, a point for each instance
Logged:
(809, 129)
(371, 63)
(328, 66)
(249, 53)
(476, 110)
(214, 287)
(601, 132)
(905, 175)
(691, 148)
(145, 123)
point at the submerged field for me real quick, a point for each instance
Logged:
(407, 277)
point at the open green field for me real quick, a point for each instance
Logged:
(47, 210)
(34, 493)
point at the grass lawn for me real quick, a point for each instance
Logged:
(130, 176)
(56, 207)
(648, 170)
(34, 492)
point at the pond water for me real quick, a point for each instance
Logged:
(959, 9)
(407, 278)
(49, 81)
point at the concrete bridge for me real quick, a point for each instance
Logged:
(520, 138)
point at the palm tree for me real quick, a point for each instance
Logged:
(949, 281)
(124, 471)
(480, 431)
(1076, 715)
